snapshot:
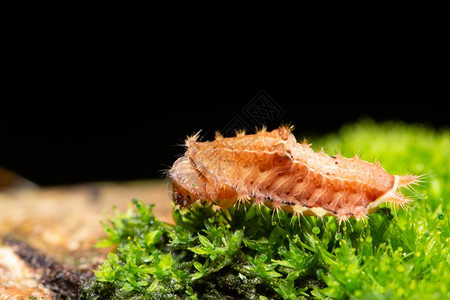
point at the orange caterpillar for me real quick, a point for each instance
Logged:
(272, 169)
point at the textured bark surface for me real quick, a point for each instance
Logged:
(47, 235)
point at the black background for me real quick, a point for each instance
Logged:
(109, 90)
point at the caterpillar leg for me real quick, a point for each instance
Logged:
(361, 213)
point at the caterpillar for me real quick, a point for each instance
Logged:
(273, 169)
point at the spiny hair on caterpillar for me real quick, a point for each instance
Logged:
(237, 132)
(271, 168)
(249, 212)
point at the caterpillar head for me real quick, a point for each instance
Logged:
(186, 181)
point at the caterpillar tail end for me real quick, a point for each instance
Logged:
(407, 180)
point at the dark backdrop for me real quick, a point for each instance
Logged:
(109, 91)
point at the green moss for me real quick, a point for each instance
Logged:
(249, 253)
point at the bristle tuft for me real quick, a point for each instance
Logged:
(406, 180)
(240, 133)
(263, 129)
(288, 126)
(191, 140)
(361, 213)
(305, 142)
(218, 135)
(398, 199)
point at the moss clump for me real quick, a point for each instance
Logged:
(248, 252)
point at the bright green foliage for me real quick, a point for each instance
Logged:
(408, 257)
(249, 252)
